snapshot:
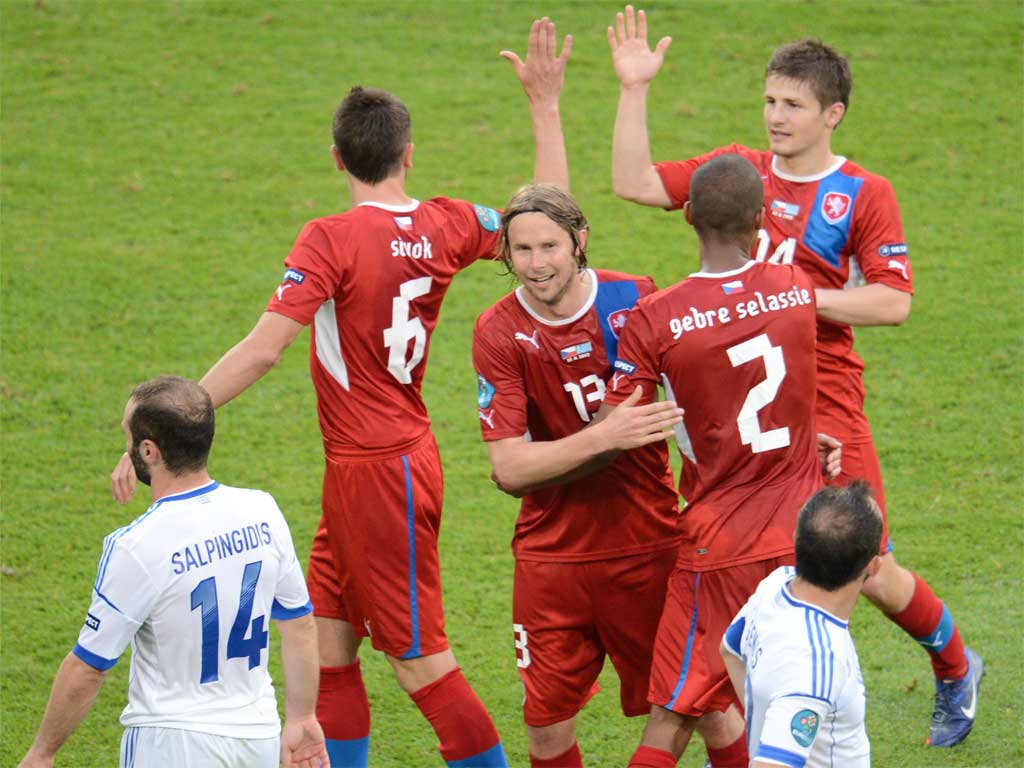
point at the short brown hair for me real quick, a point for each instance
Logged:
(819, 65)
(725, 195)
(177, 415)
(555, 203)
(371, 129)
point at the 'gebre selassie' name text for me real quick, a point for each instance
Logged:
(699, 319)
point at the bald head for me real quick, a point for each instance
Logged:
(177, 415)
(726, 194)
(838, 532)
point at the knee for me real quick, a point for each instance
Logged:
(891, 588)
(414, 674)
(553, 740)
(337, 643)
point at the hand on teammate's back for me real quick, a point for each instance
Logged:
(629, 425)
(830, 451)
(635, 62)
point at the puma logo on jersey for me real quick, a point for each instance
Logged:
(532, 338)
(900, 267)
(281, 289)
(487, 417)
(616, 380)
(420, 250)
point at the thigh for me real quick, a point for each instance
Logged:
(382, 519)
(860, 462)
(557, 649)
(629, 594)
(323, 582)
(145, 747)
(688, 675)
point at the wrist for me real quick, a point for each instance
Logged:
(636, 89)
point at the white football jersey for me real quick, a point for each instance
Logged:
(804, 691)
(192, 584)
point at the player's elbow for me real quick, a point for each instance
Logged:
(508, 482)
(900, 309)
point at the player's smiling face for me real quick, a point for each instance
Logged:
(794, 119)
(544, 260)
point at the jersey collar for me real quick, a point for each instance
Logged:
(392, 208)
(200, 491)
(569, 320)
(730, 273)
(804, 179)
(800, 604)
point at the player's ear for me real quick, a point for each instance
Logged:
(874, 566)
(149, 451)
(687, 213)
(337, 158)
(407, 157)
(834, 115)
(759, 218)
(581, 237)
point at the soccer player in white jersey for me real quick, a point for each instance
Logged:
(192, 585)
(789, 652)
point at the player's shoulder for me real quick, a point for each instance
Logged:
(486, 217)
(870, 182)
(501, 315)
(644, 284)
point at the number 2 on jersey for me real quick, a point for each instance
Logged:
(204, 596)
(761, 394)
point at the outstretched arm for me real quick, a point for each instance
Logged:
(522, 466)
(871, 304)
(633, 176)
(239, 368)
(74, 691)
(302, 739)
(542, 76)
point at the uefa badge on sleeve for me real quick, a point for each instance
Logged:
(804, 727)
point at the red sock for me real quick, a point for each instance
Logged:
(458, 717)
(927, 620)
(571, 758)
(649, 757)
(733, 756)
(342, 707)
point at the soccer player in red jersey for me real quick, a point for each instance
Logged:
(370, 284)
(593, 553)
(733, 345)
(839, 223)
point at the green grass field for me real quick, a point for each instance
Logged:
(159, 158)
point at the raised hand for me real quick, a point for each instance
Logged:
(635, 62)
(543, 73)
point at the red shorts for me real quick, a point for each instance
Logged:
(568, 616)
(688, 675)
(860, 462)
(374, 561)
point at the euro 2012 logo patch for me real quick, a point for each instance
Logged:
(804, 727)
(489, 218)
(484, 392)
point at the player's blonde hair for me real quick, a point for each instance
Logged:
(555, 203)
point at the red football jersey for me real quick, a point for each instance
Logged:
(371, 282)
(735, 350)
(547, 379)
(834, 225)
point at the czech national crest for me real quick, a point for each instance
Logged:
(834, 207)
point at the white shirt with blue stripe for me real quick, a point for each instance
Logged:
(804, 691)
(192, 585)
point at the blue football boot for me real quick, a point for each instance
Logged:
(956, 704)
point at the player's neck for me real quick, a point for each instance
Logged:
(719, 256)
(839, 603)
(811, 162)
(390, 191)
(165, 484)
